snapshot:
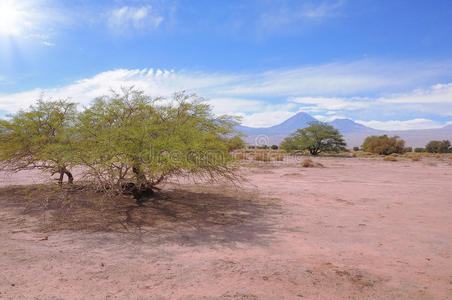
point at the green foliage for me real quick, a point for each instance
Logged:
(41, 137)
(235, 143)
(438, 147)
(316, 138)
(274, 147)
(383, 145)
(419, 150)
(408, 149)
(355, 148)
(131, 138)
(126, 140)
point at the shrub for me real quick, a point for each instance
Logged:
(389, 158)
(355, 148)
(278, 157)
(416, 158)
(438, 147)
(235, 143)
(408, 149)
(419, 150)
(240, 156)
(274, 147)
(265, 157)
(383, 145)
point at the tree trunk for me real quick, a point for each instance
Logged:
(60, 180)
(141, 178)
(313, 151)
(142, 190)
(70, 178)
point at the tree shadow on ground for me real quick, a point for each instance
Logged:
(194, 215)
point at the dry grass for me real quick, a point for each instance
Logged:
(307, 163)
(363, 154)
(265, 157)
(389, 158)
(240, 156)
(278, 157)
(416, 158)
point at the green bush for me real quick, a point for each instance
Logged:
(355, 148)
(274, 147)
(383, 145)
(235, 143)
(438, 147)
(419, 150)
(408, 149)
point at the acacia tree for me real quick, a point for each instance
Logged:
(316, 138)
(133, 141)
(39, 138)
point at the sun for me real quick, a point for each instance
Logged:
(13, 18)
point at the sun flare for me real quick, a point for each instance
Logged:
(14, 18)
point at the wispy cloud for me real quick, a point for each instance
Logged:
(267, 98)
(325, 103)
(48, 44)
(340, 79)
(419, 123)
(129, 17)
(300, 13)
(438, 93)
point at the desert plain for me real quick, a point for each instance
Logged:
(356, 228)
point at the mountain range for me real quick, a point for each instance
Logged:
(353, 132)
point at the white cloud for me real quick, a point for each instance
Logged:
(337, 79)
(128, 17)
(48, 44)
(402, 125)
(154, 82)
(284, 16)
(439, 93)
(323, 103)
(328, 118)
(266, 118)
(267, 98)
(235, 105)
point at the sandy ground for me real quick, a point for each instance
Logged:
(355, 229)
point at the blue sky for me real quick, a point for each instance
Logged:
(386, 64)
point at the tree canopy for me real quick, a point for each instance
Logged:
(127, 140)
(316, 138)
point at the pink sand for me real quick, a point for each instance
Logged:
(356, 229)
